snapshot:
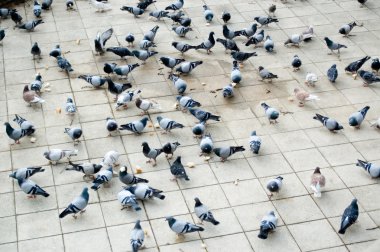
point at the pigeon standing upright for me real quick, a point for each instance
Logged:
(137, 237)
(26, 172)
(69, 4)
(130, 38)
(349, 217)
(177, 170)
(254, 142)
(268, 223)
(179, 83)
(225, 152)
(111, 125)
(169, 149)
(25, 125)
(375, 65)
(329, 123)
(103, 177)
(78, 205)
(101, 40)
(129, 178)
(357, 118)
(36, 51)
(317, 182)
(206, 144)
(372, 169)
(208, 44)
(296, 63)
(334, 46)
(347, 28)
(15, 134)
(332, 73)
(271, 113)
(152, 154)
(208, 13)
(36, 85)
(135, 126)
(272, 10)
(229, 34)
(31, 188)
(268, 44)
(274, 185)
(202, 212)
(151, 34)
(70, 107)
(226, 16)
(37, 9)
(235, 73)
(74, 134)
(16, 17)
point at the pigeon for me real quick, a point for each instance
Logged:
(228, 91)
(272, 10)
(36, 85)
(24, 173)
(274, 185)
(117, 88)
(181, 30)
(15, 134)
(186, 102)
(317, 182)
(151, 34)
(110, 158)
(101, 6)
(372, 169)
(171, 62)
(199, 129)
(78, 205)
(187, 67)
(295, 40)
(257, 38)
(137, 237)
(143, 55)
(70, 107)
(35, 51)
(143, 4)
(376, 123)
(271, 113)
(375, 65)
(303, 96)
(182, 227)
(54, 155)
(30, 25)
(176, 16)
(362, 3)
(349, 217)
(56, 51)
(182, 47)
(242, 56)
(354, 67)
(74, 133)
(333, 46)
(266, 75)
(311, 79)
(122, 52)
(175, 6)
(133, 10)
(329, 123)
(135, 126)
(368, 77)
(178, 83)
(226, 16)
(208, 44)
(69, 4)
(263, 20)
(357, 118)
(46, 4)
(226, 152)
(64, 64)
(129, 178)
(31, 188)
(111, 125)
(88, 169)
(127, 200)
(124, 70)
(151, 154)
(4, 12)
(103, 177)
(249, 31)
(202, 212)
(143, 192)
(184, 21)
(24, 125)
(332, 73)
(31, 97)
(37, 9)
(229, 34)
(206, 144)
(208, 13)
(296, 63)
(146, 44)
(169, 149)
(145, 105)
(16, 18)
(347, 28)
(235, 73)
(228, 44)
(158, 14)
(202, 115)
(268, 44)
(177, 170)
(130, 39)
(168, 124)
(268, 223)
(308, 34)
(101, 40)
(254, 142)
(109, 67)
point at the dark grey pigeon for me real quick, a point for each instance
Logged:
(35, 51)
(111, 125)
(350, 216)
(177, 169)
(120, 51)
(332, 73)
(354, 67)
(242, 56)
(368, 77)
(117, 88)
(169, 148)
(152, 154)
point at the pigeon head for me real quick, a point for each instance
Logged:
(144, 144)
(205, 7)
(46, 154)
(137, 225)
(271, 213)
(354, 202)
(176, 144)
(256, 19)
(110, 169)
(178, 97)
(70, 100)
(280, 178)
(169, 218)
(333, 66)
(108, 118)
(159, 118)
(253, 133)
(26, 88)
(317, 170)
(261, 68)
(197, 202)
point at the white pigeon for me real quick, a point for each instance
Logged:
(110, 158)
(101, 6)
(311, 79)
(376, 124)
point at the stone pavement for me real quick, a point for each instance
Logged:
(292, 148)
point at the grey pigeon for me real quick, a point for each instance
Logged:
(144, 4)
(30, 25)
(202, 115)
(354, 67)
(168, 124)
(268, 44)
(372, 169)
(31, 188)
(111, 125)
(254, 142)
(54, 155)
(70, 107)
(177, 170)
(228, 44)
(56, 51)
(101, 40)
(332, 73)
(329, 123)
(64, 64)
(257, 38)
(124, 70)
(146, 44)
(4, 12)
(151, 34)
(169, 148)
(178, 83)
(296, 63)
(127, 200)
(368, 77)
(268, 223)
(26, 172)
(242, 56)
(103, 177)
(225, 152)
(357, 118)
(78, 205)
(37, 9)
(271, 113)
(235, 73)
(46, 4)
(274, 185)
(137, 237)
(69, 4)
(130, 39)
(182, 47)
(181, 30)
(375, 65)
(182, 227)
(122, 52)
(36, 85)
(15, 17)
(152, 154)
(347, 28)
(129, 178)
(208, 44)
(88, 169)
(334, 46)
(143, 192)
(24, 124)
(266, 75)
(228, 91)
(199, 128)
(135, 126)
(158, 14)
(94, 80)
(133, 10)
(226, 16)
(206, 144)
(176, 5)
(171, 62)
(229, 34)
(15, 134)
(117, 88)
(263, 20)
(208, 13)
(143, 55)
(349, 217)
(202, 212)
(35, 51)
(184, 21)
(126, 97)
(295, 40)
(186, 102)
(74, 133)
(249, 31)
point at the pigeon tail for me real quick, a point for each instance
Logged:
(65, 212)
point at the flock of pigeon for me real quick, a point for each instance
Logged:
(138, 188)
